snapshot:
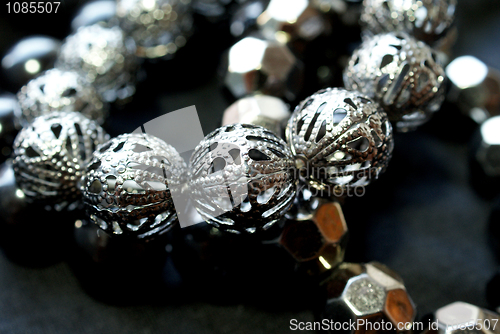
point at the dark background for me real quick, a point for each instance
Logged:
(422, 218)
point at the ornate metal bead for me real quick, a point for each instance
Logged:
(256, 65)
(340, 139)
(50, 155)
(427, 20)
(242, 178)
(460, 317)
(104, 57)
(266, 111)
(159, 27)
(370, 295)
(57, 90)
(128, 184)
(401, 74)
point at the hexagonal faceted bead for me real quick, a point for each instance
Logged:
(460, 317)
(371, 298)
(267, 111)
(255, 65)
(316, 238)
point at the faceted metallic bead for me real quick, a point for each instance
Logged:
(460, 317)
(128, 184)
(475, 87)
(28, 57)
(159, 27)
(242, 178)
(101, 11)
(58, 90)
(50, 155)
(340, 139)
(371, 296)
(401, 74)
(266, 111)
(316, 235)
(104, 57)
(427, 20)
(255, 65)
(9, 124)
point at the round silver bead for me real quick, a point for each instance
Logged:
(340, 139)
(242, 178)
(57, 90)
(427, 20)
(104, 57)
(159, 27)
(128, 183)
(401, 74)
(50, 155)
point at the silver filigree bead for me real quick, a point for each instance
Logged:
(401, 74)
(339, 139)
(159, 27)
(427, 20)
(242, 178)
(57, 90)
(104, 57)
(50, 156)
(128, 185)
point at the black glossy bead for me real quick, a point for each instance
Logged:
(9, 125)
(99, 11)
(27, 58)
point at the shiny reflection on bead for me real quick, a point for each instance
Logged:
(28, 57)
(243, 19)
(242, 179)
(255, 65)
(57, 90)
(9, 124)
(340, 139)
(367, 295)
(50, 155)
(98, 11)
(128, 183)
(266, 111)
(104, 57)
(159, 27)
(475, 87)
(427, 20)
(409, 88)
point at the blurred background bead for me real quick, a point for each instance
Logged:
(57, 90)
(475, 88)
(104, 57)
(460, 317)
(128, 183)
(266, 111)
(50, 156)
(340, 140)
(244, 19)
(159, 27)
(9, 124)
(242, 179)
(92, 12)
(255, 65)
(27, 58)
(409, 88)
(316, 237)
(370, 295)
(427, 20)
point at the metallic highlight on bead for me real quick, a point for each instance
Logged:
(339, 139)
(104, 57)
(125, 188)
(242, 178)
(57, 90)
(401, 74)
(50, 155)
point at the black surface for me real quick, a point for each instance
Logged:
(422, 218)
